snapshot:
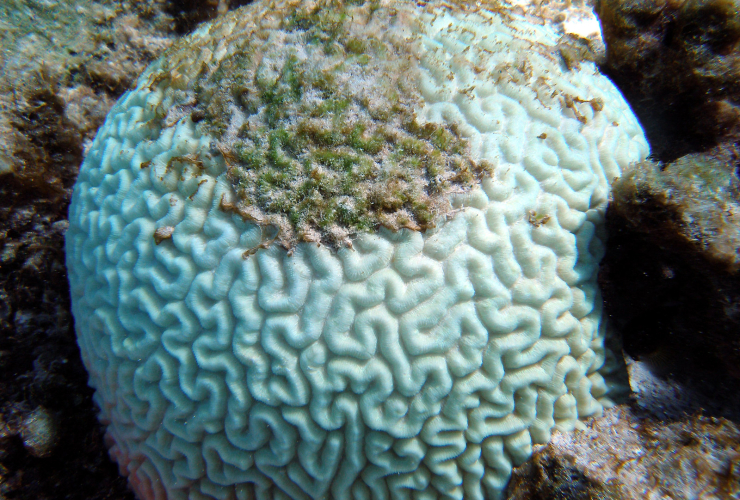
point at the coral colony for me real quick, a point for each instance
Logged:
(347, 250)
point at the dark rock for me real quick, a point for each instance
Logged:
(39, 431)
(64, 65)
(555, 477)
(189, 13)
(678, 63)
(670, 275)
(53, 446)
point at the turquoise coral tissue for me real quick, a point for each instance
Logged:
(347, 250)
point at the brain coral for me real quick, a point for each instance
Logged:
(327, 250)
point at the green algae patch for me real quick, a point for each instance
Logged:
(315, 119)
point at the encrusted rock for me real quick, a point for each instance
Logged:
(39, 431)
(63, 65)
(678, 63)
(552, 476)
(670, 276)
(622, 456)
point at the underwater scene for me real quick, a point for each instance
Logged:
(370, 249)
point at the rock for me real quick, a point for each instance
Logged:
(557, 477)
(692, 201)
(670, 275)
(188, 13)
(40, 364)
(64, 63)
(665, 398)
(678, 63)
(626, 456)
(39, 431)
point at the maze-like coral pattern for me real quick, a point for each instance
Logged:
(413, 365)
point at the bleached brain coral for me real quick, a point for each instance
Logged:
(329, 250)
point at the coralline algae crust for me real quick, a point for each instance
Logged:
(420, 363)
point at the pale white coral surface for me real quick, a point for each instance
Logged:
(413, 365)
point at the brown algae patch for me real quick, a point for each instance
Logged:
(315, 119)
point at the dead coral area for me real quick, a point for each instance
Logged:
(678, 64)
(316, 123)
(64, 65)
(575, 17)
(624, 455)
